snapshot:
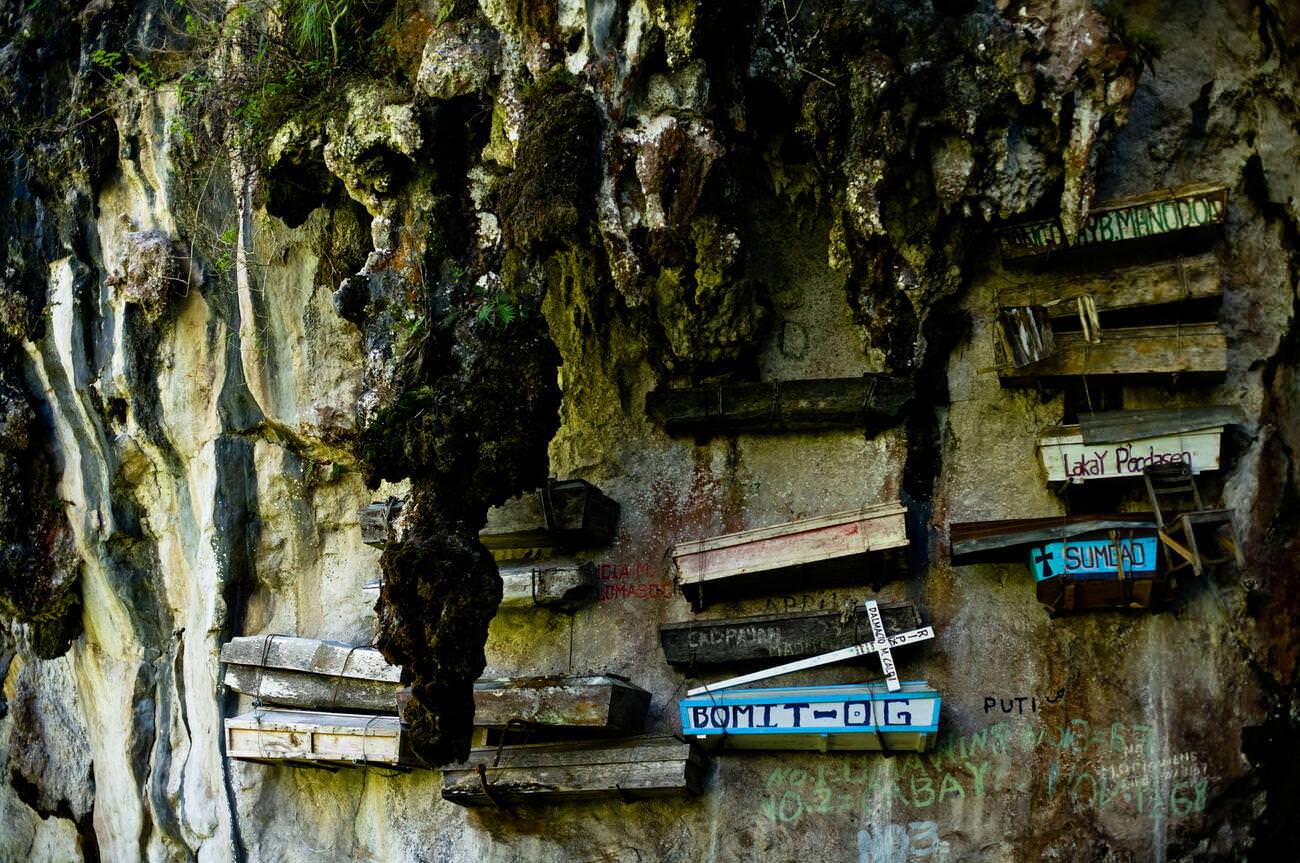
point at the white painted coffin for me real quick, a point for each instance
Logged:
(1066, 457)
(809, 540)
(322, 738)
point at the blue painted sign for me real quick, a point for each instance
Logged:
(867, 708)
(1094, 558)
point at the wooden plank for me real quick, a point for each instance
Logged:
(853, 717)
(1006, 541)
(1158, 213)
(310, 737)
(1148, 591)
(1166, 349)
(310, 690)
(1066, 457)
(381, 522)
(596, 702)
(556, 584)
(633, 769)
(310, 655)
(1025, 334)
(872, 401)
(777, 636)
(568, 513)
(1194, 278)
(809, 540)
(1112, 426)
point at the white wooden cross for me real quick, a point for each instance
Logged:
(880, 644)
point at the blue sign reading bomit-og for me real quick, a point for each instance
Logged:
(858, 716)
(1095, 558)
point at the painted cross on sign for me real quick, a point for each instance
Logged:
(881, 644)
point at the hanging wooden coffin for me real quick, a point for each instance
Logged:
(1119, 220)
(556, 584)
(863, 716)
(1198, 348)
(599, 702)
(872, 401)
(317, 738)
(306, 672)
(566, 514)
(381, 522)
(1163, 283)
(631, 769)
(1009, 540)
(706, 643)
(1096, 558)
(704, 564)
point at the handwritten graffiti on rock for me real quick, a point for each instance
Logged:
(631, 581)
(919, 842)
(1090, 767)
(1018, 704)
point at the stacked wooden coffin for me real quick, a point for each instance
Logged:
(1141, 322)
(326, 703)
(532, 537)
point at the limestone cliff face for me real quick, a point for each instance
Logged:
(245, 289)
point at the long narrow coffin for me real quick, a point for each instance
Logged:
(1154, 214)
(567, 514)
(1118, 444)
(840, 536)
(873, 402)
(557, 584)
(317, 738)
(864, 716)
(777, 636)
(599, 702)
(1199, 348)
(630, 769)
(1009, 540)
(306, 672)
(1157, 284)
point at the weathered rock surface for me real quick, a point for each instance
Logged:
(454, 261)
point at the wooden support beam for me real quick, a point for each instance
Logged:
(566, 514)
(632, 769)
(1161, 283)
(598, 702)
(872, 402)
(704, 643)
(1166, 349)
(1159, 213)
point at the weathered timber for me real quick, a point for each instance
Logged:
(1166, 349)
(636, 768)
(306, 672)
(777, 636)
(1113, 426)
(1008, 540)
(865, 716)
(873, 402)
(310, 655)
(317, 738)
(381, 522)
(1067, 456)
(557, 584)
(307, 690)
(737, 557)
(1194, 278)
(599, 702)
(1026, 335)
(568, 513)
(1153, 214)
(1149, 590)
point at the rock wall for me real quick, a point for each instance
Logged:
(465, 272)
